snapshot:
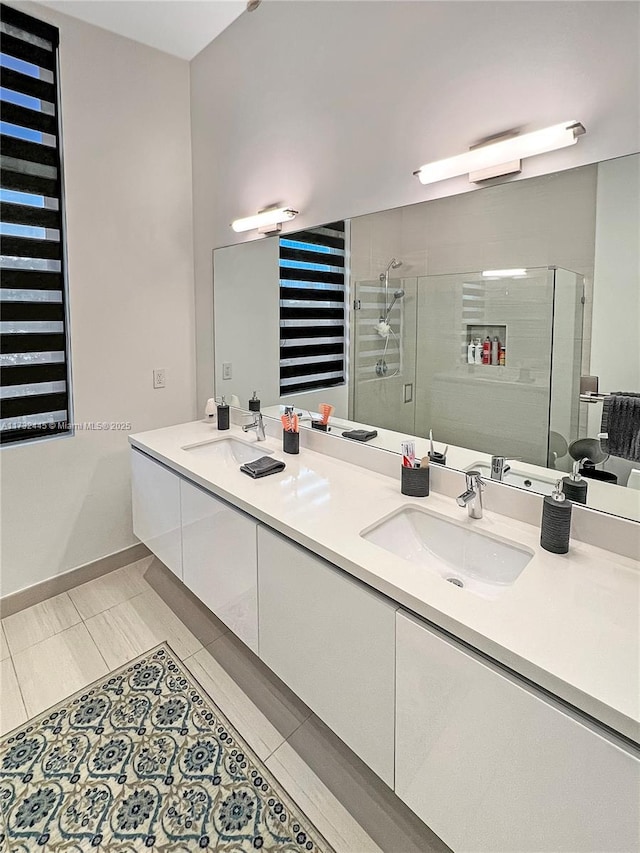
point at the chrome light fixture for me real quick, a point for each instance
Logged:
(501, 155)
(267, 221)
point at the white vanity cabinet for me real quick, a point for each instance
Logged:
(331, 640)
(493, 766)
(155, 496)
(219, 560)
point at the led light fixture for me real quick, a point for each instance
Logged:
(501, 157)
(268, 221)
(503, 273)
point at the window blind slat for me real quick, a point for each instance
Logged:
(25, 50)
(28, 183)
(312, 275)
(29, 311)
(23, 374)
(311, 257)
(24, 214)
(26, 247)
(31, 279)
(32, 342)
(31, 86)
(15, 407)
(32, 119)
(34, 152)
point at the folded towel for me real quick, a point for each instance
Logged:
(621, 425)
(360, 434)
(262, 467)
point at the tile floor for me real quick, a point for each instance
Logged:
(54, 648)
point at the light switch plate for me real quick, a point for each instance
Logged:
(159, 378)
(226, 370)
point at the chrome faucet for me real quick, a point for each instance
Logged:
(499, 468)
(472, 496)
(257, 425)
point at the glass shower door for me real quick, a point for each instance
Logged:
(383, 368)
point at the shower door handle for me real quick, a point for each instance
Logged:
(407, 392)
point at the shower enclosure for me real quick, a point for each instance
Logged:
(525, 406)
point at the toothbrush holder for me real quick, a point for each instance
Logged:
(290, 441)
(414, 482)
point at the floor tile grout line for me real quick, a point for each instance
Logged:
(23, 700)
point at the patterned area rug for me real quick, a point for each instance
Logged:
(142, 759)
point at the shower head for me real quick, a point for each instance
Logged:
(394, 263)
(398, 294)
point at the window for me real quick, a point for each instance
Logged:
(312, 309)
(34, 372)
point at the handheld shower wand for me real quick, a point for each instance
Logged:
(393, 264)
(398, 294)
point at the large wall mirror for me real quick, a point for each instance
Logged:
(483, 320)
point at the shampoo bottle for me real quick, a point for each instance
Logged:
(486, 351)
(556, 522)
(478, 347)
(471, 352)
(495, 350)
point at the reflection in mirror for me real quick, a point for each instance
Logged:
(479, 318)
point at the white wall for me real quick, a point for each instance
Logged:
(125, 109)
(330, 106)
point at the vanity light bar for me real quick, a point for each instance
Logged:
(506, 151)
(502, 273)
(274, 216)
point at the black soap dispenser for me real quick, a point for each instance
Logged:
(574, 486)
(556, 521)
(254, 403)
(223, 415)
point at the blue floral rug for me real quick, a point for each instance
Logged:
(142, 759)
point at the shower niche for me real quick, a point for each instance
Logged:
(476, 336)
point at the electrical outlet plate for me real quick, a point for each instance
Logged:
(226, 370)
(159, 378)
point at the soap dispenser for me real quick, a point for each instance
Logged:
(223, 415)
(254, 403)
(556, 521)
(210, 411)
(574, 486)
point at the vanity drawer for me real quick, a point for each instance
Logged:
(491, 765)
(155, 497)
(331, 641)
(220, 561)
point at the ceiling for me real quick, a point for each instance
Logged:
(180, 27)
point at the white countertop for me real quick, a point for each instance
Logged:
(570, 623)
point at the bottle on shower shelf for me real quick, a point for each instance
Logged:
(486, 350)
(495, 350)
(478, 346)
(471, 352)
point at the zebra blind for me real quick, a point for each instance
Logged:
(312, 309)
(34, 377)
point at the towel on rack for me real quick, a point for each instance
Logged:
(621, 425)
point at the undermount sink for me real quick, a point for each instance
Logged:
(532, 483)
(466, 558)
(229, 449)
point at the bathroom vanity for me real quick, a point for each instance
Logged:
(506, 716)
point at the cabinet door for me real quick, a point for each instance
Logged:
(493, 766)
(219, 560)
(155, 495)
(332, 641)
